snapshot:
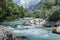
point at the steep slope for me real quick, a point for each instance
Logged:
(37, 6)
(28, 4)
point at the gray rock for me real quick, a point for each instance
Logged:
(57, 23)
(5, 33)
(56, 30)
(27, 24)
(38, 21)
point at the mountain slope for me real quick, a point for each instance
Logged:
(28, 4)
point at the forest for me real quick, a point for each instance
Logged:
(49, 10)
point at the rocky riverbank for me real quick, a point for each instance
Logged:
(37, 21)
(54, 26)
(7, 33)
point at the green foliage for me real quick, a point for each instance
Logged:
(10, 11)
(55, 16)
(49, 9)
(52, 11)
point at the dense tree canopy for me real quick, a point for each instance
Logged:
(10, 11)
(52, 8)
(49, 9)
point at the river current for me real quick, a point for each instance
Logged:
(33, 33)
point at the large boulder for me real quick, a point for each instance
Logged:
(7, 34)
(56, 30)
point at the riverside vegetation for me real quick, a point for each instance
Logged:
(49, 10)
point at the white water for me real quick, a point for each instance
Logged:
(33, 33)
(38, 34)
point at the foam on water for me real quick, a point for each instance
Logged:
(38, 34)
(33, 33)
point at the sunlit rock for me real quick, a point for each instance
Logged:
(37, 21)
(56, 30)
(27, 24)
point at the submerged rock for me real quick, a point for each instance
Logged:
(21, 37)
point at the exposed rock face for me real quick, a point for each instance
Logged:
(6, 33)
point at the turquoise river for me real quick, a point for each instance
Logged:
(33, 33)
